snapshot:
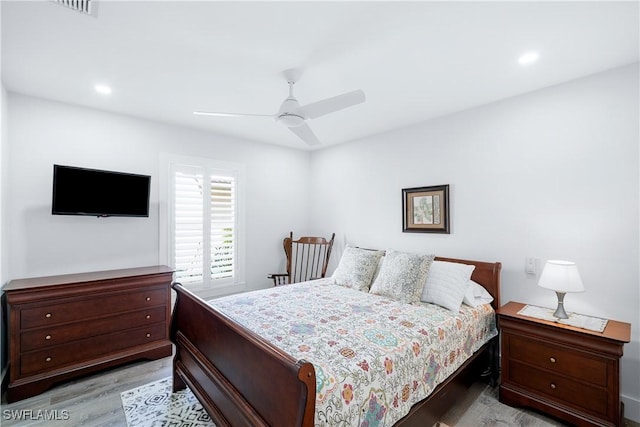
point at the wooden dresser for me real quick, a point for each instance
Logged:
(61, 327)
(570, 373)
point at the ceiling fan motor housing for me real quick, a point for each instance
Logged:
(287, 115)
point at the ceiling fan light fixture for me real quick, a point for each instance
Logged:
(290, 120)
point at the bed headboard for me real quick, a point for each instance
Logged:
(486, 273)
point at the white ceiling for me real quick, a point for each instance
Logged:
(413, 60)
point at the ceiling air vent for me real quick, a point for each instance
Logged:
(82, 6)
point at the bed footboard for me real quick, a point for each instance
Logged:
(225, 363)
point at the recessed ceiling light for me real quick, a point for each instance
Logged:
(528, 58)
(103, 89)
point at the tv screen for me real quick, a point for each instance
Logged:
(80, 191)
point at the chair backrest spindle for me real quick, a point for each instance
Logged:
(307, 259)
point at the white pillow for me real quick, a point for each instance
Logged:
(356, 268)
(447, 284)
(477, 295)
(402, 276)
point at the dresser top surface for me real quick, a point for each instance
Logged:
(615, 330)
(36, 282)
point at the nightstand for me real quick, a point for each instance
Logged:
(570, 373)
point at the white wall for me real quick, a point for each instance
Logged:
(43, 133)
(550, 174)
(4, 271)
(3, 171)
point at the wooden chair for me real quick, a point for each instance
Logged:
(307, 259)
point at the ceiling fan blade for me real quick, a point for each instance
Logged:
(210, 113)
(329, 105)
(305, 133)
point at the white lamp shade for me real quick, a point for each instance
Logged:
(561, 276)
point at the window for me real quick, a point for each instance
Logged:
(204, 228)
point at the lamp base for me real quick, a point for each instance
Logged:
(560, 313)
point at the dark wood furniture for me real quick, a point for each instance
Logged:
(570, 373)
(243, 380)
(307, 259)
(64, 326)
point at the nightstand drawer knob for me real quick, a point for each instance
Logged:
(552, 359)
(48, 315)
(48, 359)
(48, 337)
(148, 316)
(148, 298)
(148, 335)
(553, 386)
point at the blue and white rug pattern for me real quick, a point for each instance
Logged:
(154, 405)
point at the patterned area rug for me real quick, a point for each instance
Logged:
(154, 405)
(486, 410)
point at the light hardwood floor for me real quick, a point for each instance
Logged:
(88, 401)
(95, 401)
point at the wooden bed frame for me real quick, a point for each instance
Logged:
(243, 380)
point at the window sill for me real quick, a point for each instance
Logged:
(211, 292)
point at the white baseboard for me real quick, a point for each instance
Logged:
(631, 408)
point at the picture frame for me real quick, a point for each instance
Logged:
(425, 209)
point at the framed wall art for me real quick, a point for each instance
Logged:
(425, 209)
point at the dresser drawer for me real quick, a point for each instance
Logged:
(56, 335)
(560, 389)
(55, 314)
(573, 363)
(78, 351)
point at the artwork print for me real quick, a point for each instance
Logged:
(425, 209)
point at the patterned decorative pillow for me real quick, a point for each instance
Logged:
(447, 284)
(402, 276)
(356, 268)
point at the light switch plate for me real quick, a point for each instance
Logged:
(530, 266)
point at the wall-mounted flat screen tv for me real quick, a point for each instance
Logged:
(93, 192)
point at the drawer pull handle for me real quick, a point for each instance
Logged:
(48, 315)
(148, 298)
(553, 386)
(48, 337)
(48, 359)
(552, 359)
(148, 316)
(148, 335)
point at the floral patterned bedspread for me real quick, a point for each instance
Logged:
(374, 357)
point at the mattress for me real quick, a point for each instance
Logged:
(374, 357)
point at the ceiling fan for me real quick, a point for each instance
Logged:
(294, 116)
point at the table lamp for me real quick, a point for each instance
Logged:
(562, 277)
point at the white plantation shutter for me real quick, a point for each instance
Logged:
(204, 225)
(188, 227)
(223, 219)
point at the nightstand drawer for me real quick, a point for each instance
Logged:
(560, 389)
(573, 363)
